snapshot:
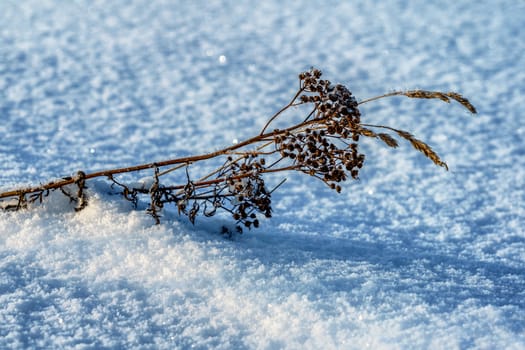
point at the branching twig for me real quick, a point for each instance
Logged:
(324, 145)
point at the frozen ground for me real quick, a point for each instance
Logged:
(410, 256)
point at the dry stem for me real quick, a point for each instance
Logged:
(324, 145)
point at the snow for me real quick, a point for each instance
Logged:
(410, 256)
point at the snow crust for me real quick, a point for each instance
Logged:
(410, 256)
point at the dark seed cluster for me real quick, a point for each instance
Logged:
(328, 148)
(238, 188)
(248, 191)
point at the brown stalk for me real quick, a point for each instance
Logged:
(324, 145)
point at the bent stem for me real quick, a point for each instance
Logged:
(324, 146)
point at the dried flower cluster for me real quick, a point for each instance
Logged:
(324, 145)
(328, 148)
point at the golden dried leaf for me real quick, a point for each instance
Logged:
(367, 132)
(389, 140)
(427, 94)
(445, 97)
(463, 101)
(422, 147)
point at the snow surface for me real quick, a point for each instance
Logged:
(410, 256)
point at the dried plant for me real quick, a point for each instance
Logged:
(324, 145)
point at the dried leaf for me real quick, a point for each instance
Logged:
(367, 132)
(463, 101)
(427, 94)
(445, 97)
(422, 147)
(389, 140)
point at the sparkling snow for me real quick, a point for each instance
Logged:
(410, 256)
